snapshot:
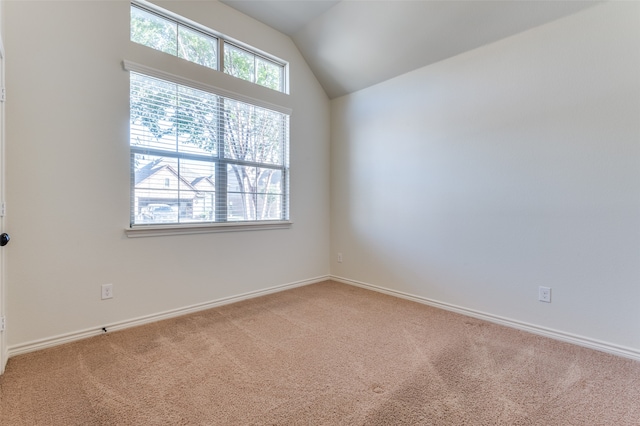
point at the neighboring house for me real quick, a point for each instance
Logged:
(161, 195)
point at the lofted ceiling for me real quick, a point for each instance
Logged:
(354, 44)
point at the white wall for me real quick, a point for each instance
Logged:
(68, 179)
(475, 180)
(469, 182)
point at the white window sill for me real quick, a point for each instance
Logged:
(185, 229)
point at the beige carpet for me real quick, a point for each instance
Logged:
(324, 354)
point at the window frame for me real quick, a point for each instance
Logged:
(179, 22)
(158, 229)
(256, 56)
(219, 159)
(221, 39)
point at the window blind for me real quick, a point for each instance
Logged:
(197, 156)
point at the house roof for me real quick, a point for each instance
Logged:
(202, 180)
(153, 168)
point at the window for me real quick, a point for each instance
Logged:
(202, 154)
(170, 36)
(163, 31)
(224, 160)
(248, 66)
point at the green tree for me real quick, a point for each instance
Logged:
(247, 66)
(197, 47)
(170, 37)
(153, 31)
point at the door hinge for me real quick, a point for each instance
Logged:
(2, 324)
(3, 94)
(3, 209)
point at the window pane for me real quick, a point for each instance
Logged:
(269, 207)
(254, 193)
(239, 63)
(253, 133)
(241, 189)
(156, 189)
(171, 117)
(153, 113)
(197, 122)
(160, 30)
(197, 191)
(240, 207)
(270, 190)
(197, 47)
(241, 178)
(172, 190)
(269, 181)
(270, 74)
(153, 31)
(178, 176)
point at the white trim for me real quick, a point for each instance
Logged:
(172, 16)
(186, 229)
(535, 329)
(183, 20)
(60, 339)
(4, 352)
(154, 72)
(543, 331)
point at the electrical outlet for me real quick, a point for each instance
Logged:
(107, 291)
(339, 257)
(544, 294)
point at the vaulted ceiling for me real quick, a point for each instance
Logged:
(353, 44)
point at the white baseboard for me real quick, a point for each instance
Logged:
(95, 331)
(543, 331)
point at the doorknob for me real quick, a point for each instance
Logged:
(4, 239)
